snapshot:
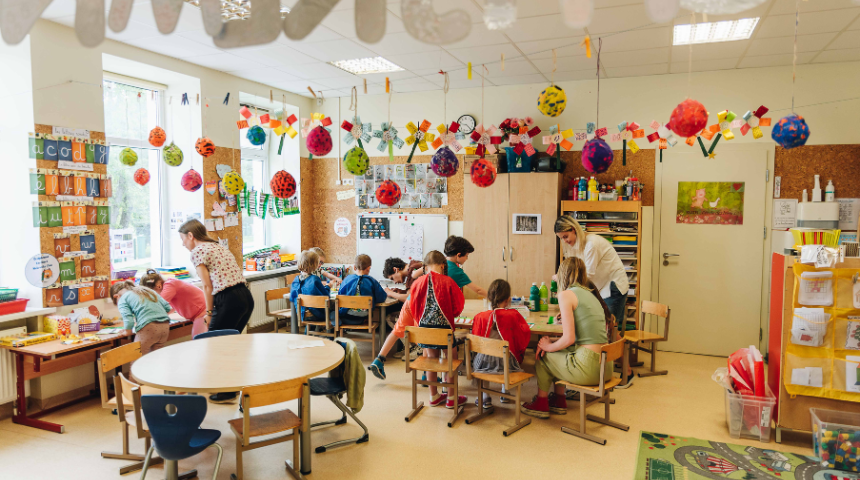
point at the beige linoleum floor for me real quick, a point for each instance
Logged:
(686, 402)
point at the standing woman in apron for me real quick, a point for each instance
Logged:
(435, 301)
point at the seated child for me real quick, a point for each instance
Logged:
(457, 250)
(143, 312)
(398, 271)
(500, 323)
(360, 284)
(186, 299)
(306, 283)
(319, 271)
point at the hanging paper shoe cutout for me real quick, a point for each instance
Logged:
(418, 137)
(356, 131)
(662, 11)
(388, 139)
(790, 131)
(448, 137)
(486, 139)
(425, 25)
(523, 140)
(754, 121)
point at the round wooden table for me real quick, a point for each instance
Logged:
(231, 363)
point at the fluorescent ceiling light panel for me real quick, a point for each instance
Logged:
(714, 32)
(365, 66)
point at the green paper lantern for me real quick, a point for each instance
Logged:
(356, 161)
(128, 157)
(173, 155)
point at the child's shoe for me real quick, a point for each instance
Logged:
(557, 404)
(377, 368)
(439, 399)
(424, 379)
(538, 407)
(488, 401)
(461, 400)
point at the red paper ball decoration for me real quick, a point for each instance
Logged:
(388, 193)
(205, 146)
(283, 184)
(191, 181)
(444, 162)
(597, 155)
(157, 137)
(141, 176)
(483, 173)
(688, 118)
(319, 141)
(791, 131)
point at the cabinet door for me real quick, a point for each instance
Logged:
(533, 257)
(485, 225)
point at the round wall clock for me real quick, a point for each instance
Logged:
(467, 124)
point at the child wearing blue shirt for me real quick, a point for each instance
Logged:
(306, 283)
(360, 284)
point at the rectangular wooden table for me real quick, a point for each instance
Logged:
(539, 319)
(34, 361)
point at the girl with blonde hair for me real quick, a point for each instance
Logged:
(143, 312)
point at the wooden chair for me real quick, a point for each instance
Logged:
(131, 414)
(608, 353)
(449, 365)
(278, 294)
(358, 303)
(270, 423)
(644, 336)
(511, 380)
(108, 363)
(317, 301)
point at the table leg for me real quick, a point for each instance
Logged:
(305, 409)
(625, 363)
(382, 324)
(20, 411)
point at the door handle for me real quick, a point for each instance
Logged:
(503, 253)
(512, 254)
(666, 258)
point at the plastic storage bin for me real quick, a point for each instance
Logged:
(8, 294)
(15, 306)
(749, 416)
(835, 436)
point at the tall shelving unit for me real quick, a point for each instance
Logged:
(620, 214)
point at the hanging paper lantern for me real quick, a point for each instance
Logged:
(688, 118)
(356, 161)
(283, 184)
(444, 162)
(141, 176)
(790, 131)
(319, 141)
(597, 155)
(191, 181)
(552, 101)
(233, 183)
(205, 147)
(483, 173)
(157, 137)
(172, 155)
(256, 135)
(388, 193)
(128, 157)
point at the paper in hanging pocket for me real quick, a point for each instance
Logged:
(816, 288)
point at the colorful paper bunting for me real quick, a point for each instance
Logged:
(754, 121)
(448, 136)
(523, 141)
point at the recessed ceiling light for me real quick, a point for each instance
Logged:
(364, 66)
(713, 32)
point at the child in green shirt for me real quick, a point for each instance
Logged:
(457, 250)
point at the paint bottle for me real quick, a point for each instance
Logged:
(805, 196)
(830, 192)
(534, 298)
(583, 189)
(592, 189)
(544, 297)
(553, 293)
(816, 191)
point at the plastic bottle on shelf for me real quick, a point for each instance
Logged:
(816, 190)
(534, 298)
(592, 189)
(553, 293)
(544, 297)
(830, 192)
(583, 189)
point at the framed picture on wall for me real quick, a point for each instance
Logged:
(526, 223)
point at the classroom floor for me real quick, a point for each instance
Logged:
(685, 402)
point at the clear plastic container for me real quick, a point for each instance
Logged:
(749, 416)
(836, 438)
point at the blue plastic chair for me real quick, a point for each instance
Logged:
(215, 333)
(177, 436)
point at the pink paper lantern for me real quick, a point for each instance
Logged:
(319, 141)
(191, 181)
(597, 155)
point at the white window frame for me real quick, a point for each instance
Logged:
(261, 154)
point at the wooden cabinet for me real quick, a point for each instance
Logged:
(487, 215)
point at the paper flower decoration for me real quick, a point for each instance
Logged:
(523, 140)
(388, 138)
(280, 129)
(555, 140)
(128, 157)
(317, 135)
(726, 117)
(418, 137)
(754, 121)
(157, 137)
(597, 155)
(256, 135)
(191, 181)
(205, 147)
(688, 118)
(141, 176)
(172, 155)
(790, 131)
(233, 183)
(388, 193)
(448, 137)
(283, 184)
(483, 173)
(356, 161)
(663, 134)
(486, 139)
(551, 101)
(356, 131)
(444, 162)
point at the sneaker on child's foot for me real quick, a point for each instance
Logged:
(506, 400)
(461, 400)
(399, 354)
(439, 399)
(488, 402)
(424, 379)
(377, 368)
(224, 397)
(571, 395)
(629, 383)
(538, 407)
(557, 404)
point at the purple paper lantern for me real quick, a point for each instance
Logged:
(597, 155)
(444, 162)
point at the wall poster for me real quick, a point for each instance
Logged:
(374, 228)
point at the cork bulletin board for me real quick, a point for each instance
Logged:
(640, 163)
(797, 166)
(232, 157)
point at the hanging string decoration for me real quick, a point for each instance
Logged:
(551, 101)
(388, 138)
(172, 155)
(753, 121)
(388, 193)
(418, 137)
(157, 137)
(128, 157)
(483, 173)
(790, 131)
(192, 181)
(627, 131)
(486, 139)
(597, 155)
(356, 131)
(205, 147)
(141, 176)
(444, 162)
(283, 184)
(688, 118)
(256, 135)
(317, 134)
(356, 161)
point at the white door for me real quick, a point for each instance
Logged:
(711, 274)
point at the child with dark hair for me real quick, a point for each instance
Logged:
(457, 250)
(360, 284)
(398, 271)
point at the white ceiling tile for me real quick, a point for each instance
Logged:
(485, 54)
(813, 22)
(576, 75)
(520, 80)
(190, 17)
(419, 86)
(320, 33)
(314, 70)
(855, 25)
(59, 8)
(264, 75)
(399, 44)
(619, 19)
(566, 64)
(380, 77)
(543, 48)
(68, 21)
(638, 71)
(438, 81)
(133, 31)
(537, 8)
(846, 55)
(343, 22)
(274, 55)
(442, 7)
(635, 40)
(778, 45)
(787, 7)
(847, 39)
(614, 3)
(705, 65)
(683, 17)
(200, 36)
(439, 59)
(224, 62)
(541, 28)
(341, 82)
(428, 72)
(173, 46)
(635, 57)
(774, 60)
(710, 51)
(330, 51)
(479, 36)
(512, 68)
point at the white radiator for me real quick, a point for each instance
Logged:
(258, 290)
(7, 368)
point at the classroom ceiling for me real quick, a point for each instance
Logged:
(829, 31)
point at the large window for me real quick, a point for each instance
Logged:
(131, 112)
(255, 166)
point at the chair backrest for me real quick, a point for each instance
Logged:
(356, 302)
(108, 361)
(276, 294)
(492, 347)
(126, 390)
(430, 336)
(609, 353)
(659, 310)
(171, 432)
(264, 395)
(288, 279)
(313, 301)
(215, 333)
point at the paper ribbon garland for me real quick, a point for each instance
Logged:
(486, 139)
(448, 136)
(523, 140)
(754, 121)
(356, 131)
(557, 139)
(388, 138)
(418, 137)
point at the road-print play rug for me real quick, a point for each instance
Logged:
(667, 457)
